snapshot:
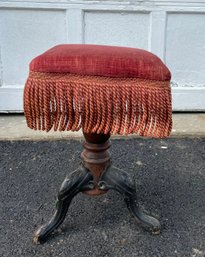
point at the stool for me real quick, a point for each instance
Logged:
(103, 90)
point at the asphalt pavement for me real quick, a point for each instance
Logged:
(170, 180)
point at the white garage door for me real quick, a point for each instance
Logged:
(174, 30)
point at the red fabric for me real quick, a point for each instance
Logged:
(109, 61)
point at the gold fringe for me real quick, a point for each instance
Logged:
(98, 104)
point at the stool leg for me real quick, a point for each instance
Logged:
(122, 182)
(77, 181)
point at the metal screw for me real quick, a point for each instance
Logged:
(102, 186)
(91, 185)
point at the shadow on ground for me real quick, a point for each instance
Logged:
(170, 178)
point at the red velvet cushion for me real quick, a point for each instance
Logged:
(109, 61)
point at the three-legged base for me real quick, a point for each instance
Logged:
(82, 180)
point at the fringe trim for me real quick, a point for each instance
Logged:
(98, 104)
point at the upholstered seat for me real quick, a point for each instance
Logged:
(101, 89)
(108, 61)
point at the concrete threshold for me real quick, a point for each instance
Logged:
(13, 127)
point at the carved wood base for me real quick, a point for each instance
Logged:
(96, 158)
(96, 176)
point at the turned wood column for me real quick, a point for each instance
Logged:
(96, 157)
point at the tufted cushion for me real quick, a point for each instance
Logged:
(108, 61)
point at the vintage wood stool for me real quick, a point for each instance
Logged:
(104, 90)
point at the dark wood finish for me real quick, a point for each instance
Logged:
(96, 176)
(76, 181)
